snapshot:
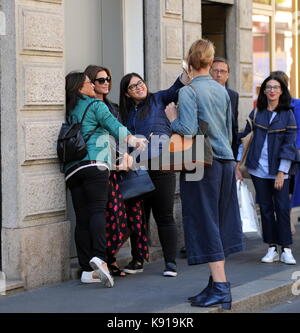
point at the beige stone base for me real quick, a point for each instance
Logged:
(37, 255)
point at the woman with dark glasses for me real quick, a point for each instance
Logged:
(121, 218)
(87, 178)
(143, 113)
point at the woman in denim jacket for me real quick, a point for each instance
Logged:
(211, 217)
(269, 161)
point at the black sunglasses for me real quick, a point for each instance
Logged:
(102, 80)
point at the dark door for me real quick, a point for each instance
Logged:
(214, 26)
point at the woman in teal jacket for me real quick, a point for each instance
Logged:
(122, 217)
(84, 178)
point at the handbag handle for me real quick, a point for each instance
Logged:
(252, 121)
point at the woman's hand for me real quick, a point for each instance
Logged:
(138, 143)
(238, 173)
(171, 112)
(279, 181)
(126, 163)
(185, 79)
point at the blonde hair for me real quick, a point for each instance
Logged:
(200, 54)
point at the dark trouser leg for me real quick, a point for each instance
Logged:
(282, 209)
(89, 195)
(162, 205)
(265, 198)
(83, 240)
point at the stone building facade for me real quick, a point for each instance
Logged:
(35, 228)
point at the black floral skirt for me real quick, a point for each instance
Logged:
(123, 218)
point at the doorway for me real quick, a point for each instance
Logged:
(214, 18)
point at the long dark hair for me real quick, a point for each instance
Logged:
(284, 100)
(126, 102)
(74, 82)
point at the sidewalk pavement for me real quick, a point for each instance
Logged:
(254, 286)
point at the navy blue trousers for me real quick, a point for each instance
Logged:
(275, 211)
(211, 217)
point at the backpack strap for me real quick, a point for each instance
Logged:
(85, 112)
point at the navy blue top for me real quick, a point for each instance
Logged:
(281, 136)
(156, 121)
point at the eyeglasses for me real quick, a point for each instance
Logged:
(101, 80)
(135, 86)
(217, 71)
(275, 88)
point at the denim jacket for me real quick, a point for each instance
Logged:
(281, 139)
(214, 107)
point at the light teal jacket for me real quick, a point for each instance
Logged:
(98, 116)
(214, 108)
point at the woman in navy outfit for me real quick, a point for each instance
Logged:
(269, 162)
(143, 114)
(295, 106)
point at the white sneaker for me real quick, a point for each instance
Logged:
(104, 275)
(287, 257)
(87, 277)
(271, 256)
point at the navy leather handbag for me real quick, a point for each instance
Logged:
(136, 184)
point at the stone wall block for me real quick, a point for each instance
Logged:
(40, 140)
(45, 254)
(43, 194)
(41, 30)
(42, 84)
(192, 11)
(192, 32)
(246, 52)
(172, 42)
(170, 74)
(246, 88)
(245, 9)
(246, 106)
(173, 7)
(11, 249)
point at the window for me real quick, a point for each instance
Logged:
(276, 41)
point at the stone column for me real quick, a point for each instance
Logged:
(35, 232)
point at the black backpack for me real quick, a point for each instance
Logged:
(71, 145)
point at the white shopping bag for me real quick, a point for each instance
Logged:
(247, 206)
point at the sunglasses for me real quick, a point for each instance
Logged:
(102, 80)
